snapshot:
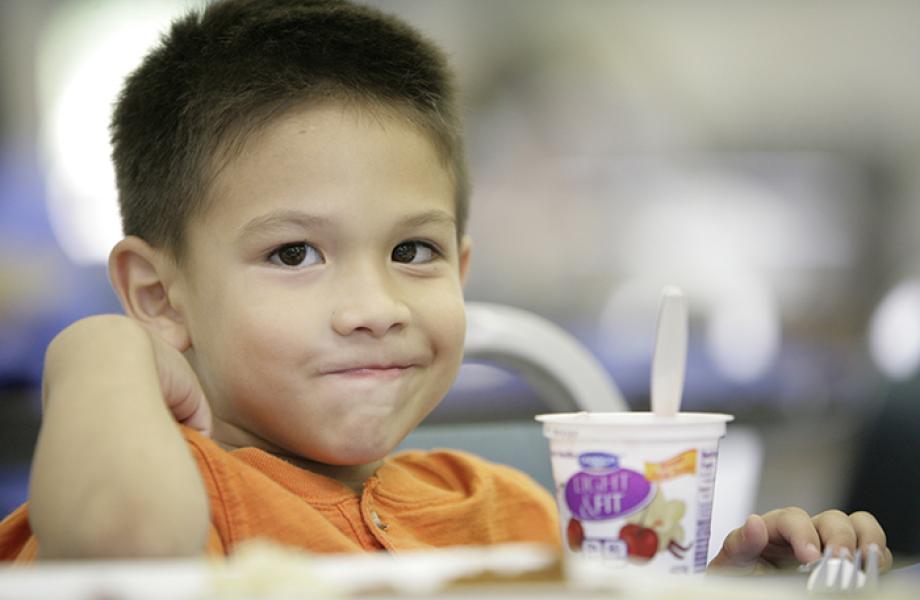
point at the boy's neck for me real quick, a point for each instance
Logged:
(352, 476)
(231, 438)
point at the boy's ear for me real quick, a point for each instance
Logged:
(466, 245)
(142, 276)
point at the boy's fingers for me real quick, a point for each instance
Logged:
(836, 530)
(790, 534)
(869, 531)
(792, 527)
(743, 546)
(200, 419)
(851, 531)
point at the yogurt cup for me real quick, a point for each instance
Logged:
(634, 490)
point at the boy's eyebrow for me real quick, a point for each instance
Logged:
(430, 217)
(279, 218)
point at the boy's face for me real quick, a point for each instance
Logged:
(323, 291)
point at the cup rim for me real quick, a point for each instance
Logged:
(632, 419)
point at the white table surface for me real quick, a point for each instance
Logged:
(269, 575)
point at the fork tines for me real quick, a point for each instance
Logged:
(841, 574)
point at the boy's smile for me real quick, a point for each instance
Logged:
(322, 294)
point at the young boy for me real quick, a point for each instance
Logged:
(294, 199)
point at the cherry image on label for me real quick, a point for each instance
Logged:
(641, 542)
(575, 535)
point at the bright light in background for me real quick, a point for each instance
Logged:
(711, 220)
(84, 55)
(714, 236)
(743, 332)
(894, 331)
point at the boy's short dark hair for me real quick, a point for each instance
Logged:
(223, 74)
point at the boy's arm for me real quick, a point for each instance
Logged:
(112, 476)
(789, 537)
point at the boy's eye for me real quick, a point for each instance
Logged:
(413, 252)
(299, 254)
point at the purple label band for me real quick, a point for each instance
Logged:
(601, 496)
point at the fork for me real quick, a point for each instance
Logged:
(841, 574)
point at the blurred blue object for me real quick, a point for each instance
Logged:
(41, 290)
(14, 487)
(23, 217)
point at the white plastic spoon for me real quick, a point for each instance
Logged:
(670, 358)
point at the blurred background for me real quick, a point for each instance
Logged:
(762, 156)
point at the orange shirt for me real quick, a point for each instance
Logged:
(415, 500)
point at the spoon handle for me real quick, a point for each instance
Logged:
(670, 358)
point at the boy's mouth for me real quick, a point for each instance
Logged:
(385, 371)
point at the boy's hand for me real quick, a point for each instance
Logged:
(790, 537)
(179, 385)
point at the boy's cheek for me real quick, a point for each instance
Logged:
(451, 321)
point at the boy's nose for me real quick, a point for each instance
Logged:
(370, 309)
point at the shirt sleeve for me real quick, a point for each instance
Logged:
(17, 543)
(207, 456)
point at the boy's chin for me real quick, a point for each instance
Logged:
(356, 452)
(354, 458)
